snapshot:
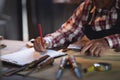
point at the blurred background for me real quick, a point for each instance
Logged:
(19, 18)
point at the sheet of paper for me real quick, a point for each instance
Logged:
(54, 53)
(74, 46)
(27, 55)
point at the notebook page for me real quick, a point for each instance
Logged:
(27, 55)
(21, 57)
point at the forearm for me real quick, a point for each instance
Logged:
(59, 37)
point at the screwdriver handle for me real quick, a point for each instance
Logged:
(63, 62)
(72, 61)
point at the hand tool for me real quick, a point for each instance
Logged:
(100, 66)
(63, 63)
(68, 61)
(74, 65)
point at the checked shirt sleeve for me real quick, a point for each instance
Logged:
(69, 30)
(113, 40)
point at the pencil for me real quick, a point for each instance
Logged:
(41, 37)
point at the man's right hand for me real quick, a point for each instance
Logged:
(38, 46)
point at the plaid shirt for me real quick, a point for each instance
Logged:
(72, 28)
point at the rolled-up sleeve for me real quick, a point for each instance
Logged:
(113, 40)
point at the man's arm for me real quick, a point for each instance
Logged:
(69, 30)
(97, 46)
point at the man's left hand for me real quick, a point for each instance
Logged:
(95, 47)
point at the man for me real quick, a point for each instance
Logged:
(97, 19)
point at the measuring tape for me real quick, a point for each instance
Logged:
(98, 67)
(102, 66)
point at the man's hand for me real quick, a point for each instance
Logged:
(38, 46)
(95, 47)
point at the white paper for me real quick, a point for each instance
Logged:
(53, 53)
(74, 46)
(27, 55)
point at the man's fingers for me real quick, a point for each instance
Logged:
(84, 49)
(38, 46)
(92, 49)
(97, 52)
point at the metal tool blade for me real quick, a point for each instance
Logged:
(77, 72)
(59, 74)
